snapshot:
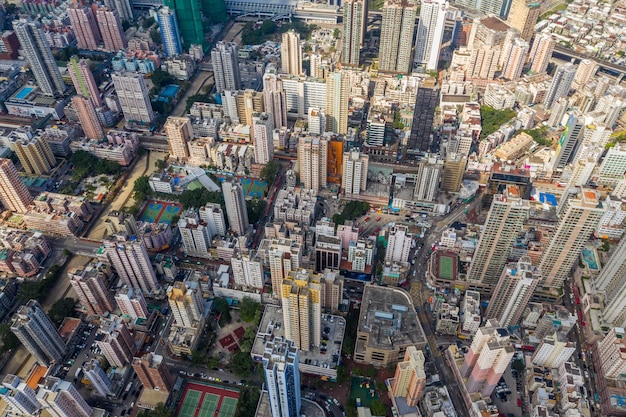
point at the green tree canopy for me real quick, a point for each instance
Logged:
(147, 22)
(248, 399)
(61, 309)
(248, 309)
(269, 171)
(159, 411)
(255, 207)
(220, 305)
(351, 211)
(198, 198)
(241, 364)
(8, 338)
(161, 78)
(86, 164)
(142, 188)
(378, 408)
(492, 119)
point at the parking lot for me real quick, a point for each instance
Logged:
(509, 406)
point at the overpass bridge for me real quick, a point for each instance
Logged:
(615, 69)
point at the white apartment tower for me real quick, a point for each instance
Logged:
(213, 215)
(291, 53)
(133, 96)
(179, 132)
(427, 181)
(541, 52)
(516, 58)
(354, 172)
(19, 396)
(283, 256)
(578, 216)
(247, 270)
(312, 162)
(399, 244)
(317, 121)
(611, 284)
(235, 203)
(585, 71)
(62, 399)
(262, 137)
(430, 33)
(282, 378)
(302, 309)
(513, 292)
(560, 85)
(505, 219)
(553, 351)
(195, 234)
(396, 36)
(354, 26)
(38, 334)
(130, 259)
(226, 67)
(337, 96)
(274, 96)
(132, 303)
(98, 378)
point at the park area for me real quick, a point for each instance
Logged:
(203, 400)
(160, 212)
(363, 390)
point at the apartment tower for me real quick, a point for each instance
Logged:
(291, 53)
(133, 96)
(430, 33)
(337, 96)
(152, 372)
(33, 152)
(611, 284)
(513, 292)
(132, 303)
(89, 283)
(488, 357)
(187, 305)
(235, 206)
(38, 334)
(284, 256)
(578, 216)
(541, 53)
(585, 71)
(302, 309)
(19, 395)
(111, 28)
(62, 399)
(189, 14)
(516, 57)
(409, 380)
(262, 137)
(170, 33)
(130, 259)
(354, 178)
(354, 26)
(282, 378)
(179, 132)
(523, 16)
(13, 192)
(312, 162)
(85, 26)
(88, 118)
(39, 55)
(560, 85)
(505, 219)
(274, 97)
(396, 36)
(83, 80)
(123, 8)
(226, 67)
(399, 244)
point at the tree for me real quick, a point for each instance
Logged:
(248, 399)
(161, 163)
(66, 252)
(159, 411)
(8, 338)
(269, 171)
(241, 364)
(248, 340)
(61, 309)
(378, 408)
(351, 211)
(220, 305)
(248, 308)
(268, 27)
(198, 198)
(147, 22)
(336, 33)
(492, 119)
(155, 36)
(142, 188)
(255, 209)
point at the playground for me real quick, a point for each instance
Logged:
(203, 400)
(446, 264)
(160, 212)
(251, 188)
(363, 388)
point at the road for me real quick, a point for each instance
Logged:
(196, 86)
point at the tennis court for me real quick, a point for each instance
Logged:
(207, 400)
(160, 212)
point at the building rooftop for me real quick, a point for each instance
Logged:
(388, 315)
(494, 23)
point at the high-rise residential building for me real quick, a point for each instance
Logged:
(130, 259)
(312, 162)
(354, 26)
(235, 203)
(399, 244)
(19, 396)
(88, 118)
(453, 170)
(396, 36)
(123, 8)
(489, 7)
(39, 56)
(170, 32)
(430, 33)
(284, 256)
(152, 372)
(132, 303)
(505, 219)
(579, 213)
(516, 57)
(541, 53)
(89, 283)
(111, 28)
(427, 179)
(302, 309)
(354, 178)
(331, 290)
(62, 399)
(262, 137)
(33, 152)
(291, 53)
(84, 26)
(274, 96)
(101, 383)
(282, 378)
(13, 192)
(38, 334)
(248, 270)
(610, 353)
(226, 67)
(570, 141)
(523, 16)
(585, 71)
(133, 96)
(611, 284)
(488, 357)
(116, 342)
(317, 121)
(327, 252)
(553, 351)
(248, 101)
(337, 97)
(83, 80)
(189, 15)
(187, 304)
(213, 215)
(560, 85)
(513, 291)
(614, 163)
(409, 380)
(195, 234)
(179, 132)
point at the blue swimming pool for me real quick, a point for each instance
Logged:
(590, 259)
(170, 91)
(24, 92)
